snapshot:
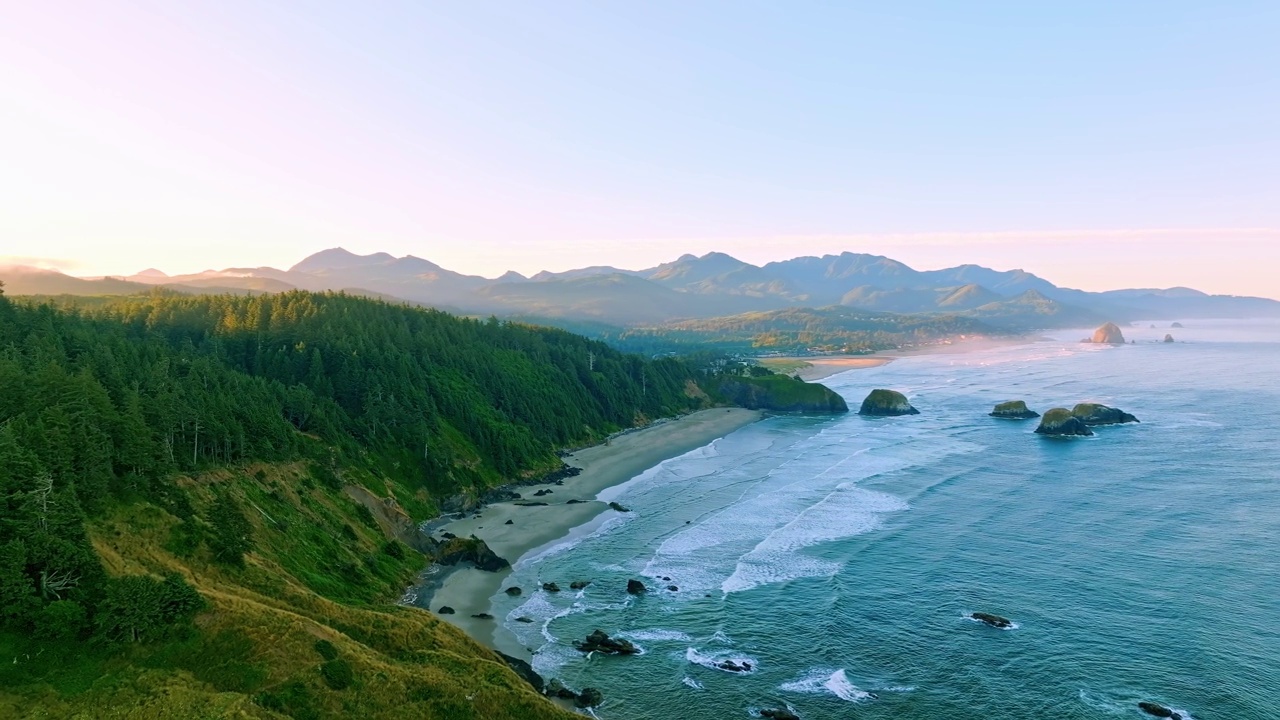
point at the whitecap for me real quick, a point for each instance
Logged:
(656, 635)
(692, 683)
(712, 660)
(825, 681)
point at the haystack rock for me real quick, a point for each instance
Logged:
(886, 403)
(1176, 325)
(1168, 338)
(1060, 421)
(1108, 334)
(1014, 410)
(1093, 414)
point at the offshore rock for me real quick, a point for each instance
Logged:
(779, 714)
(446, 610)
(1093, 414)
(589, 697)
(635, 587)
(1060, 421)
(599, 642)
(886, 403)
(556, 689)
(993, 620)
(619, 507)
(1014, 410)
(1168, 338)
(1108, 334)
(1158, 710)
(551, 587)
(731, 666)
(1176, 326)
(579, 584)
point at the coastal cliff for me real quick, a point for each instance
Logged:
(780, 393)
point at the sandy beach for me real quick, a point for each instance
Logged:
(817, 367)
(468, 590)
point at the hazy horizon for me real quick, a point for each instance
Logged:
(1096, 146)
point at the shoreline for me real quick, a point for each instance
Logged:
(818, 367)
(468, 590)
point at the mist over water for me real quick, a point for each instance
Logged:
(839, 556)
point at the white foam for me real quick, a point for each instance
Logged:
(825, 681)
(657, 635)
(692, 683)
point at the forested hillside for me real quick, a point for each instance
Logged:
(174, 539)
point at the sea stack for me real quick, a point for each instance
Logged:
(1093, 414)
(887, 403)
(1108, 334)
(1060, 421)
(1168, 338)
(1014, 410)
(1176, 325)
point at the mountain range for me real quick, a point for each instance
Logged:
(690, 287)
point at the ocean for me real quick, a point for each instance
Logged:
(840, 555)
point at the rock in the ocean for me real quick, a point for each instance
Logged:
(482, 616)
(1094, 414)
(1158, 710)
(1108, 334)
(732, 666)
(1060, 421)
(509, 522)
(886, 403)
(1014, 410)
(556, 689)
(513, 591)
(673, 588)
(1168, 338)
(550, 587)
(779, 714)
(589, 697)
(542, 492)
(619, 507)
(524, 619)
(446, 610)
(635, 587)
(574, 501)
(993, 620)
(1176, 326)
(600, 642)
(579, 584)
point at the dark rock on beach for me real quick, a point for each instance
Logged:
(509, 522)
(600, 642)
(513, 591)
(574, 501)
(482, 616)
(618, 507)
(525, 619)
(540, 493)
(886, 403)
(1158, 710)
(635, 587)
(993, 620)
(472, 550)
(1014, 410)
(532, 504)
(1093, 414)
(1060, 422)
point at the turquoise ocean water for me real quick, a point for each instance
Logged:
(840, 555)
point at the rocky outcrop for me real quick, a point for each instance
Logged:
(472, 550)
(446, 610)
(994, 621)
(886, 403)
(525, 619)
(482, 616)
(1108, 334)
(589, 697)
(635, 587)
(513, 591)
(779, 714)
(600, 642)
(1176, 326)
(1158, 710)
(1060, 421)
(1093, 414)
(780, 393)
(579, 584)
(524, 670)
(619, 507)
(1014, 410)
(1168, 338)
(550, 587)
(734, 666)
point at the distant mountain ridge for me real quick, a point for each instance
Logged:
(691, 287)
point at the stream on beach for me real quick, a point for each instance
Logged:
(840, 555)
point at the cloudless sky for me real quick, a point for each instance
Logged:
(1098, 144)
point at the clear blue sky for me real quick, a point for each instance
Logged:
(1097, 144)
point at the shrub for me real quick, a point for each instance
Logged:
(337, 674)
(61, 620)
(327, 650)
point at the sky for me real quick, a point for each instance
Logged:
(1097, 144)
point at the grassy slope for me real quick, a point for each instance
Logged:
(318, 571)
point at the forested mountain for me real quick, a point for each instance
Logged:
(172, 456)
